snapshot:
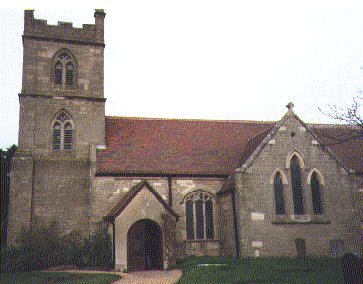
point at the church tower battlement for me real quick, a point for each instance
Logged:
(64, 31)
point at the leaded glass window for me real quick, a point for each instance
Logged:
(297, 193)
(316, 194)
(199, 216)
(279, 195)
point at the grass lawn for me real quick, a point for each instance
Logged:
(58, 277)
(261, 270)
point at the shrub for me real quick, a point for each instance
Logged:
(43, 248)
(98, 250)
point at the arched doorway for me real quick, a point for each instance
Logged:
(144, 246)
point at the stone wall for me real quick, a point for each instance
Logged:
(106, 191)
(261, 231)
(20, 196)
(35, 131)
(227, 232)
(61, 194)
(38, 69)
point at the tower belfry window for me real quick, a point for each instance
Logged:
(56, 136)
(62, 135)
(69, 75)
(58, 73)
(64, 71)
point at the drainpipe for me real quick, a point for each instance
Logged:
(170, 194)
(113, 244)
(236, 237)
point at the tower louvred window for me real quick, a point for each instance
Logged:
(68, 137)
(64, 71)
(58, 74)
(69, 75)
(62, 135)
(56, 136)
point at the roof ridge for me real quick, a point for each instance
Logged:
(328, 125)
(189, 119)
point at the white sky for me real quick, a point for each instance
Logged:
(239, 60)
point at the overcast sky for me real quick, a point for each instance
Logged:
(239, 60)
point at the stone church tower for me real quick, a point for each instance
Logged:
(62, 118)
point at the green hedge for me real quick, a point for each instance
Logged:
(43, 248)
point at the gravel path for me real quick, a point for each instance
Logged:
(152, 277)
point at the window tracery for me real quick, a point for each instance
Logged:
(62, 132)
(297, 192)
(64, 70)
(199, 215)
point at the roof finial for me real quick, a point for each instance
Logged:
(290, 107)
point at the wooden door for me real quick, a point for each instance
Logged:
(144, 246)
(136, 247)
(153, 245)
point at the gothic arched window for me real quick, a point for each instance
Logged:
(297, 193)
(279, 195)
(69, 74)
(316, 194)
(64, 70)
(199, 215)
(62, 133)
(58, 70)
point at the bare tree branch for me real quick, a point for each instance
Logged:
(350, 115)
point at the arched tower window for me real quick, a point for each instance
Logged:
(297, 193)
(56, 136)
(69, 74)
(62, 132)
(315, 184)
(64, 70)
(279, 195)
(58, 70)
(199, 215)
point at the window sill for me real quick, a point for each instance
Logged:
(300, 220)
(63, 153)
(202, 241)
(67, 89)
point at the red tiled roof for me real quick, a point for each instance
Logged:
(346, 143)
(171, 146)
(202, 147)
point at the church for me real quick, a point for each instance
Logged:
(165, 189)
